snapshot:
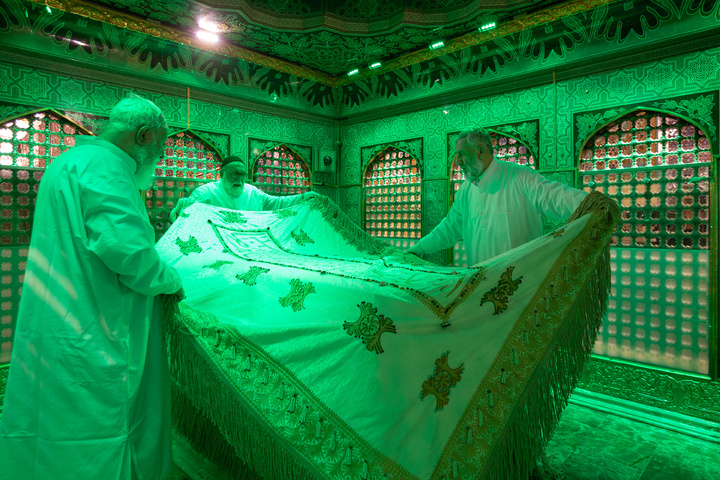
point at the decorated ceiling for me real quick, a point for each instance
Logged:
(329, 36)
(297, 53)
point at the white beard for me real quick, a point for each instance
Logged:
(474, 173)
(144, 176)
(145, 167)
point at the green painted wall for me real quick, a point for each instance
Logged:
(427, 112)
(553, 104)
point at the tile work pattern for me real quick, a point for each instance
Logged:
(587, 445)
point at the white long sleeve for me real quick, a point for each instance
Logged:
(503, 211)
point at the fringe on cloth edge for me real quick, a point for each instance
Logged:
(521, 443)
(210, 393)
(524, 438)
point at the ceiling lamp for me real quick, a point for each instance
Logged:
(207, 36)
(208, 30)
(353, 72)
(436, 45)
(375, 65)
(487, 24)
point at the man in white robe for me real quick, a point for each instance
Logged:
(232, 192)
(88, 388)
(499, 206)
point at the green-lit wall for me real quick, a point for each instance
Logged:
(563, 125)
(68, 89)
(424, 115)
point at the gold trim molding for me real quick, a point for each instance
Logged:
(155, 29)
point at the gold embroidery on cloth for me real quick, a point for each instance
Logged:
(249, 278)
(296, 297)
(286, 403)
(369, 327)
(188, 246)
(441, 381)
(232, 217)
(499, 295)
(492, 403)
(218, 264)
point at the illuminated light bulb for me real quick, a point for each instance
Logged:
(436, 45)
(487, 26)
(208, 26)
(375, 65)
(353, 72)
(207, 36)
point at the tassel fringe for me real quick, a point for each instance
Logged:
(519, 452)
(221, 425)
(216, 420)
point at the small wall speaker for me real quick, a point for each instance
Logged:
(327, 161)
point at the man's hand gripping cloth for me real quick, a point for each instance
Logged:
(317, 351)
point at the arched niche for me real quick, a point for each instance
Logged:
(657, 166)
(281, 170)
(392, 197)
(189, 160)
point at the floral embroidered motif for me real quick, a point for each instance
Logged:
(301, 237)
(284, 213)
(557, 233)
(296, 297)
(249, 278)
(232, 217)
(217, 264)
(499, 295)
(188, 246)
(369, 327)
(441, 381)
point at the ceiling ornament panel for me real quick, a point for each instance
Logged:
(156, 29)
(612, 25)
(124, 42)
(350, 17)
(322, 53)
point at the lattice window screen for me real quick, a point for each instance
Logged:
(657, 167)
(392, 197)
(28, 144)
(281, 171)
(505, 148)
(189, 162)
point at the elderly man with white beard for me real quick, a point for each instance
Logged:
(499, 206)
(231, 191)
(88, 387)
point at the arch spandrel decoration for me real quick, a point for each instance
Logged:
(29, 142)
(280, 168)
(189, 160)
(413, 146)
(507, 148)
(392, 197)
(657, 166)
